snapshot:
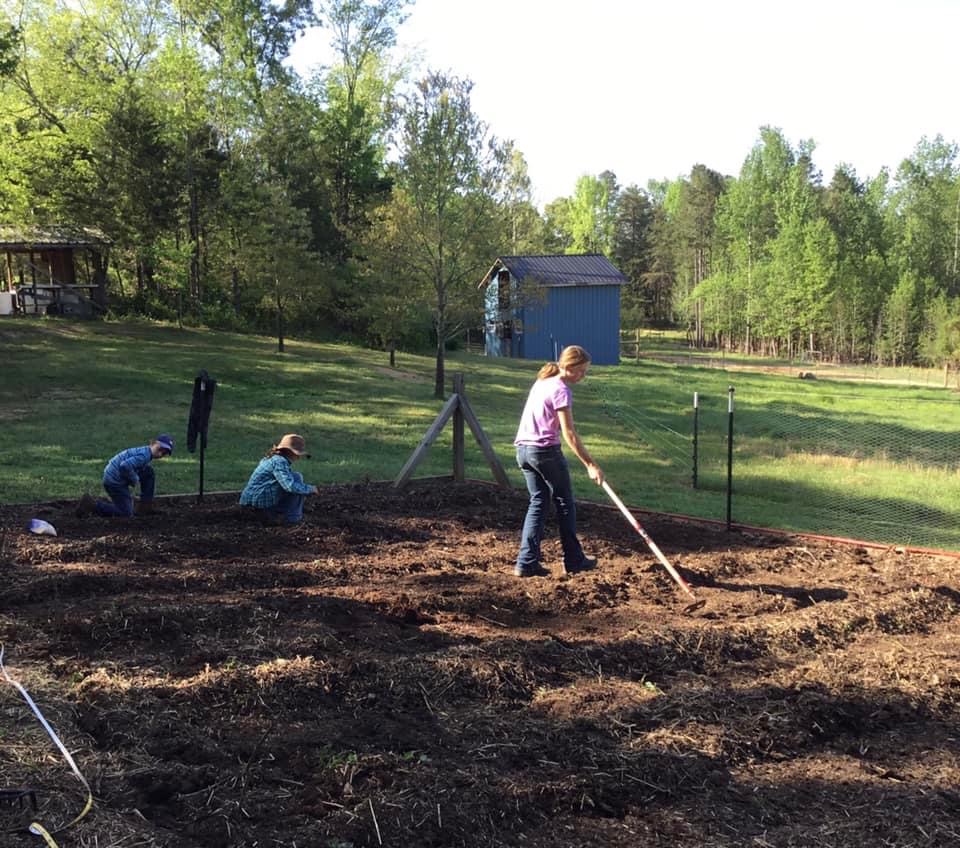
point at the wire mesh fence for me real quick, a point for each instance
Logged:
(840, 465)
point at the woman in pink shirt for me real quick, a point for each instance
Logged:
(547, 414)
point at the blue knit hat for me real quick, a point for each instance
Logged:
(165, 441)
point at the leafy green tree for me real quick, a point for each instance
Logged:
(357, 92)
(642, 298)
(798, 284)
(523, 226)
(863, 278)
(900, 321)
(926, 203)
(9, 41)
(749, 215)
(135, 195)
(89, 138)
(940, 336)
(661, 277)
(14, 193)
(362, 32)
(591, 215)
(557, 226)
(281, 269)
(448, 169)
(391, 315)
(250, 39)
(692, 204)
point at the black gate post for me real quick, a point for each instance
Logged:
(203, 448)
(200, 407)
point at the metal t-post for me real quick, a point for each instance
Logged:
(696, 415)
(729, 454)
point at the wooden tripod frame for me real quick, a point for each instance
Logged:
(458, 408)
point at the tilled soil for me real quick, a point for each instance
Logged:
(378, 676)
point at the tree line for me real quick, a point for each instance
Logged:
(366, 200)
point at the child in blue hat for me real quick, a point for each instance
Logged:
(122, 473)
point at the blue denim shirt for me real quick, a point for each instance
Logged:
(127, 466)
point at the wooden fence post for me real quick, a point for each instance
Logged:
(458, 462)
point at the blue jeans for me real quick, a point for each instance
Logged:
(547, 476)
(121, 498)
(290, 506)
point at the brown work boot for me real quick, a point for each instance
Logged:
(85, 506)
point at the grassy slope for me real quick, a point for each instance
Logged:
(74, 393)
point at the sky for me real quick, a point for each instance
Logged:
(649, 89)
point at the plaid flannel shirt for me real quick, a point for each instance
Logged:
(269, 478)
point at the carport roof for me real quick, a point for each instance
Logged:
(46, 238)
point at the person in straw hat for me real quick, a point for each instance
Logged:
(274, 489)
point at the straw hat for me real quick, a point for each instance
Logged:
(293, 443)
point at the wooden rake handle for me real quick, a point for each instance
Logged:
(646, 538)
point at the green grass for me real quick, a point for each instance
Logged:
(871, 461)
(672, 345)
(867, 460)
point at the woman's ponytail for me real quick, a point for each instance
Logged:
(550, 369)
(572, 356)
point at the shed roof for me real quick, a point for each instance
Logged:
(583, 269)
(46, 238)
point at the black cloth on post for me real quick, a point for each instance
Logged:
(200, 406)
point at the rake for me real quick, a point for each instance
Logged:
(650, 543)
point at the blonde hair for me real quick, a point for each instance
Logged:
(570, 357)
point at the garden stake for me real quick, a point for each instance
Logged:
(646, 538)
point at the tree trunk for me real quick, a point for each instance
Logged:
(440, 320)
(194, 237)
(439, 377)
(276, 282)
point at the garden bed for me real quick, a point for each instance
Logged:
(377, 676)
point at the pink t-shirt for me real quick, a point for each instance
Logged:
(540, 424)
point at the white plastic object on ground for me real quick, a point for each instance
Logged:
(42, 528)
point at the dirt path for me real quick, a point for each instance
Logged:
(377, 676)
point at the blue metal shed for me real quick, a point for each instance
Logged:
(537, 305)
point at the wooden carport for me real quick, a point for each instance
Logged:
(58, 269)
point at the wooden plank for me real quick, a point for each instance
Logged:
(427, 440)
(458, 459)
(494, 461)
